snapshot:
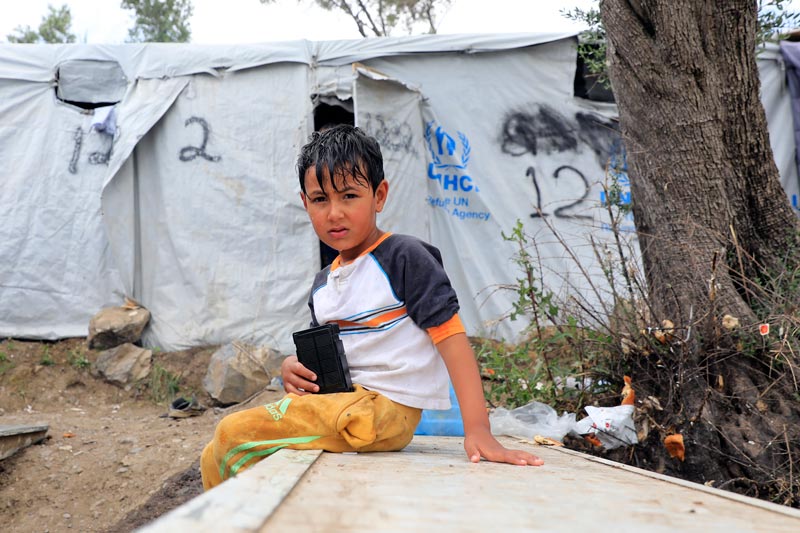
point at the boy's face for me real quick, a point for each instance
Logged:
(345, 219)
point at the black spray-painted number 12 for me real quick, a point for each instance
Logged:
(561, 211)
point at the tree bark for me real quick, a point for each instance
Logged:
(712, 219)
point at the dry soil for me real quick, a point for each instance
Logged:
(111, 461)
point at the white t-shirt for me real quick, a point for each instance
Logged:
(384, 301)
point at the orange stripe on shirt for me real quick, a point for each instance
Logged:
(448, 329)
(378, 321)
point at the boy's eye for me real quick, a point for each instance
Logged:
(350, 196)
(318, 199)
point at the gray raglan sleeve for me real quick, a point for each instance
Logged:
(319, 280)
(417, 276)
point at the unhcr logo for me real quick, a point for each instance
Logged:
(278, 409)
(450, 159)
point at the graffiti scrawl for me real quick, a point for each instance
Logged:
(391, 134)
(542, 130)
(189, 153)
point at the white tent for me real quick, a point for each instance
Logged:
(180, 189)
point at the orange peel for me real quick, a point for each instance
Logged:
(593, 440)
(674, 446)
(628, 394)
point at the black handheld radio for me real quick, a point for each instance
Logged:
(320, 350)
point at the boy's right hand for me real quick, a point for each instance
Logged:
(297, 378)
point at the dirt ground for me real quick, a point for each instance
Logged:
(111, 462)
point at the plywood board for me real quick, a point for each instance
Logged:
(431, 486)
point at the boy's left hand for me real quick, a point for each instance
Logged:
(481, 443)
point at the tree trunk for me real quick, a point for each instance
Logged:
(717, 233)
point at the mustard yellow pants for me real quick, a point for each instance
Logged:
(362, 421)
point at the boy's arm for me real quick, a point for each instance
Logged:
(478, 441)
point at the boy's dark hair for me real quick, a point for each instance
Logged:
(342, 149)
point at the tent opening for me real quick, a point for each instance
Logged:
(90, 84)
(588, 85)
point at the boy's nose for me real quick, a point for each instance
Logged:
(335, 211)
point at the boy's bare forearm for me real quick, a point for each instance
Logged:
(478, 439)
(463, 369)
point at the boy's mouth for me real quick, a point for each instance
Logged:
(337, 233)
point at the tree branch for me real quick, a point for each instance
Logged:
(364, 10)
(344, 6)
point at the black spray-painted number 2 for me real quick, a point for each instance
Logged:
(560, 212)
(189, 153)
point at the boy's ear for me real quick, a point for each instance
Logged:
(303, 198)
(381, 192)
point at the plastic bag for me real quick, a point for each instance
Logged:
(533, 419)
(613, 426)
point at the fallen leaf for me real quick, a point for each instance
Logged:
(68, 435)
(652, 402)
(546, 441)
(674, 445)
(130, 303)
(644, 431)
(627, 345)
(669, 329)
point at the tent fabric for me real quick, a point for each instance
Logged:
(56, 271)
(190, 204)
(481, 138)
(37, 62)
(783, 114)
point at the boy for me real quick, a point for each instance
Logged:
(398, 317)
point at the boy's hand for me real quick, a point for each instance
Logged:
(481, 443)
(297, 378)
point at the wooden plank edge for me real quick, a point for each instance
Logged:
(16, 438)
(748, 500)
(6, 431)
(241, 504)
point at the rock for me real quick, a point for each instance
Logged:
(237, 371)
(114, 326)
(124, 364)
